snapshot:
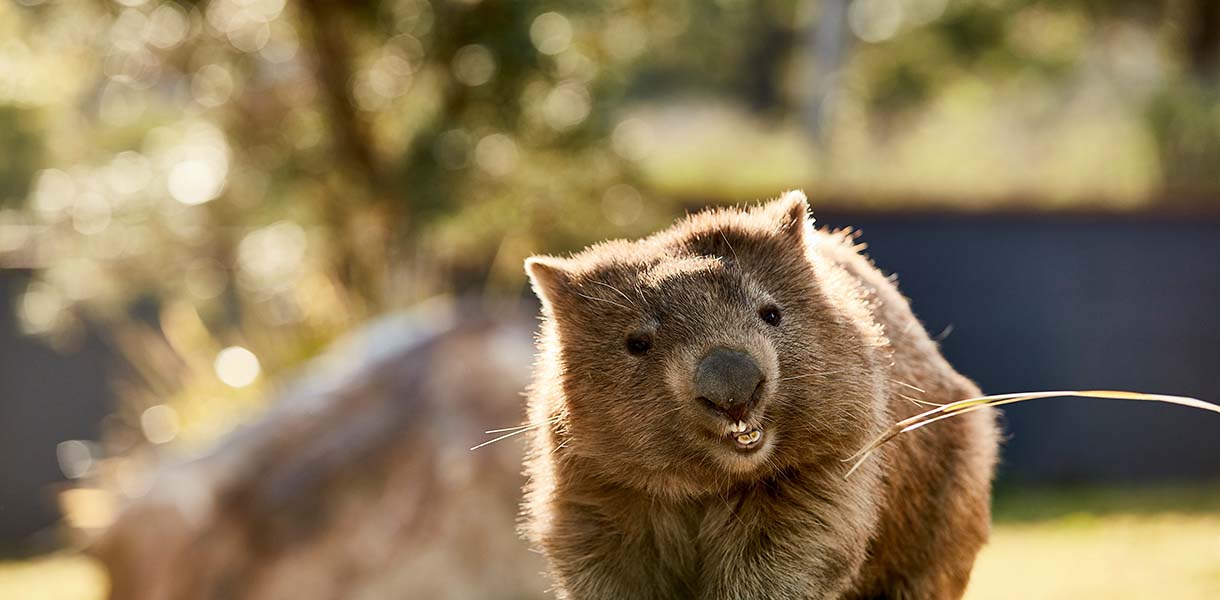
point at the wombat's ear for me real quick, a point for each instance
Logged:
(549, 277)
(790, 213)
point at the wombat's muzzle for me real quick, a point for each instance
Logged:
(729, 382)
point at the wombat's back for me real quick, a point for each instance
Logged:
(937, 488)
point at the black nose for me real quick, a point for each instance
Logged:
(728, 381)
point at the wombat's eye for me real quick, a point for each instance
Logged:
(769, 314)
(639, 344)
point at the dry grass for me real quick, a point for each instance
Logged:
(1050, 545)
(969, 405)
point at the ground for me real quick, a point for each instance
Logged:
(1062, 544)
(1149, 543)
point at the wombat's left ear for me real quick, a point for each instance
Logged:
(550, 278)
(790, 213)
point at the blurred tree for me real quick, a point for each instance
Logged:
(237, 167)
(22, 149)
(1202, 24)
(266, 173)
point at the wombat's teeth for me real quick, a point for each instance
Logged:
(738, 427)
(749, 438)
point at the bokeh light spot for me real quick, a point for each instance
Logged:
(195, 181)
(474, 65)
(922, 12)
(622, 204)
(75, 458)
(159, 423)
(212, 85)
(272, 258)
(90, 213)
(632, 139)
(128, 173)
(237, 367)
(496, 154)
(567, 105)
(551, 33)
(624, 39)
(168, 25)
(53, 193)
(874, 20)
(40, 308)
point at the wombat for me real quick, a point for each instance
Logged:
(695, 395)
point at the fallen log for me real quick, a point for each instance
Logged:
(358, 482)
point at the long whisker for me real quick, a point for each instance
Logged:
(905, 384)
(561, 446)
(524, 426)
(616, 290)
(916, 401)
(726, 243)
(512, 431)
(797, 377)
(587, 297)
(519, 427)
(506, 435)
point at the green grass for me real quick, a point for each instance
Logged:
(1055, 544)
(1098, 543)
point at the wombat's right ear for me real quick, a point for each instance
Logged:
(549, 277)
(791, 212)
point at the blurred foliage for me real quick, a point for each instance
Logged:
(264, 174)
(23, 148)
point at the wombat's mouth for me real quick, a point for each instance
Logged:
(744, 436)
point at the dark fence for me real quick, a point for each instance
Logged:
(1049, 303)
(45, 398)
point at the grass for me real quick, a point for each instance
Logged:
(1114, 557)
(961, 407)
(1096, 543)
(1049, 544)
(60, 576)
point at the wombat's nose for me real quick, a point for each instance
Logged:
(728, 381)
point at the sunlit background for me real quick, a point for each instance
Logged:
(196, 198)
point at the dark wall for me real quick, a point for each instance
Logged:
(1073, 303)
(45, 398)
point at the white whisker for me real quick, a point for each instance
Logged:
(525, 425)
(905, 384)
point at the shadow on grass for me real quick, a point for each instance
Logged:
(1017, 505)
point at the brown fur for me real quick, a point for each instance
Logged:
(633, 495)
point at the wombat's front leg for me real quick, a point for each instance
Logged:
(781, 573)
(611, 578)
(787, 541)
(594, 557)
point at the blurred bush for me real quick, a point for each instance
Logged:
(228, 185)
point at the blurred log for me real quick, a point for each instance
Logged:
(358, 483)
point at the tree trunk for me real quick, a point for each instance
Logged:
(1203, 39)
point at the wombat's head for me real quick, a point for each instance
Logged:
(724, 348)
